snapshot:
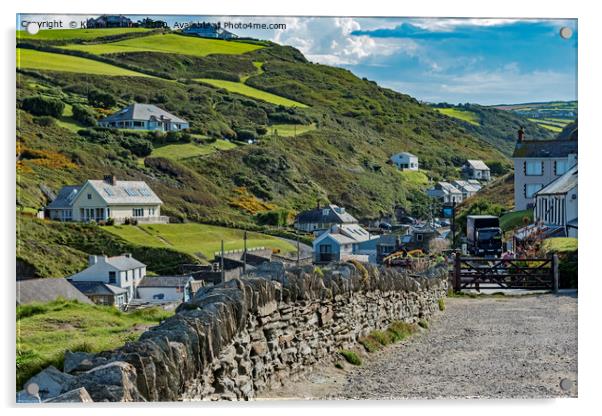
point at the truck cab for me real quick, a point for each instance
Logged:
(484, 235)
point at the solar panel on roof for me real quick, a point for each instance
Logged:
(131, 192)
(109, 192)
(144, 192)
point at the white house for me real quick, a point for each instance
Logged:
(167, 288)
(209, 30)
(322, 218)
(445, 192)
(405, 161)
(100, 200)
(123, 272)
(556, 204)
(467, 188)
(344, 242)
(144, 117)
(476, 169)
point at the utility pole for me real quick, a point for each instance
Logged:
(244, 254)
(453, 224)
(298, 253)
(222, 263)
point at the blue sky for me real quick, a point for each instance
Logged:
(486, 61)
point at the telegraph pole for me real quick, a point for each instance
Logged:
(222, 263)
(244, 254)
(297, 237)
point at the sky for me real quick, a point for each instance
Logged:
(486, 61)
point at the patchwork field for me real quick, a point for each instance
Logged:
(32, 59)
(186, 150)
(169, 43)
(45, 331)
(289, 130)
(201, 240)
(77, 34)
(242, 89)
(467, 116)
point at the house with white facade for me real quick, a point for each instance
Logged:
(556, 203)
(123, 272)
(209, 30)
(445, 192)
(467, 188)
(476, 169)
(344, 242)
(405, 161)
(99, 200)
(538, 163)
(322, 218)
(165, 288)
(144, 117)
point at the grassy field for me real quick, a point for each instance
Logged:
(169, 43)
(467, 116)
(242, 89)
(197, 239)
(415, 177)
(289, 130)
(32, 59)
(515, 219)
(79, 34)
(185, 150)
(45, 331)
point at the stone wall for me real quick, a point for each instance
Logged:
(237, 338)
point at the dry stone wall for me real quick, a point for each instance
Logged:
(242, 336)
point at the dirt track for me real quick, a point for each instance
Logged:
(512, 347)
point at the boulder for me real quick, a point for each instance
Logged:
(79, 395)
(51, 382)
(81, 361)
(112, 382)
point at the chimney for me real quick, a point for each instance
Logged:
(92, 260)
(110, 179)
(521, 134)
(128, 255)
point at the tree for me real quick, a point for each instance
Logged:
(102, 99)
(43, 106)
(83, 115)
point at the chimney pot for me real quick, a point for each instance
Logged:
(110, 179)
(521, 134)
(92, 260)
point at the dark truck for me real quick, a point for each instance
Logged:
(484, 235)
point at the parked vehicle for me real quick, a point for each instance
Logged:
(484, 235)
(385, 226)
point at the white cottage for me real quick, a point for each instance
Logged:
(166, 288)
(99, 200)
(144, 117)
(405, 161)
(556, 205)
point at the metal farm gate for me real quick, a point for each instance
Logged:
(482, 273)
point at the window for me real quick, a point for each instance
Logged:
(138, 123)
(419, 237)
(89, 196)
(533, 168)
(112, 278)
(138, 212)
(561, 166)
(132, 192)
(325, 248)
(532, 188)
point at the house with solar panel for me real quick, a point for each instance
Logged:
(101, 200)
(144, 117)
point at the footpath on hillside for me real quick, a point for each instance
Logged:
(486, 347)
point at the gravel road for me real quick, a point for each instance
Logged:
(489, 347)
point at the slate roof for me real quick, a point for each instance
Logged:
(125, 192)
(97, 288)
(47, 290)
(545, 148)
(65, 197)
(164, 281)
(124, 262)
(477, 164)
(561, 185)
(336, 215)
(467, 186)
(448, 188)
(408, 154)
(144, 112)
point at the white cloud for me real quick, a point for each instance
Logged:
(444, 25)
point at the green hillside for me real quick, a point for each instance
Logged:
(242, 89)
(461, 114)
(345, 136)
(78, 34)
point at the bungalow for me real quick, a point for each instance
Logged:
(167, 288)
(323, 218)
(445, 192)
(47, 290)
(105, 21)
(405, 161)
(468, 189)
(556, 204)
(99, 200)
(144, 117)
(476, 169)
(209, 30)
(103, 293)
(119, 272)
(344, 242)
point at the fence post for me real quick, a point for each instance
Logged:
(555, 273)
(457, 272)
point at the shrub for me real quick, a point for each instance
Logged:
(275, 217)
(261, 130)
(102, 99)
(43, 106)
(110, 221)
(423, 324)
(383, 338)
(139, 147)
(441, 303)
(44, 121)
(351, 357)
(83, 115)
(245, 135)
(402, 330)
(370, 344)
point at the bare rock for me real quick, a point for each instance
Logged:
(79, 395)
(51, 382)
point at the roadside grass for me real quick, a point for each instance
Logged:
(77, 34)
(185, 150)
(397, 331)
(560, 245)
(441, 304)
(515, 219)
(46, 330)
(169, 43)
(289, 130)
(423, 323)
(195, 239)
(33, 59)
(463, 115)
(351, 357)
(243, 89)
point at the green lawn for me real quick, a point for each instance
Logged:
(45, 331)
(79, 34)
(169, 43)
(66, 120)
(193, 238)
(242, 89)
(463, 115)
(515, 219)
(32, 59)
(185, 150)
(289, 130)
